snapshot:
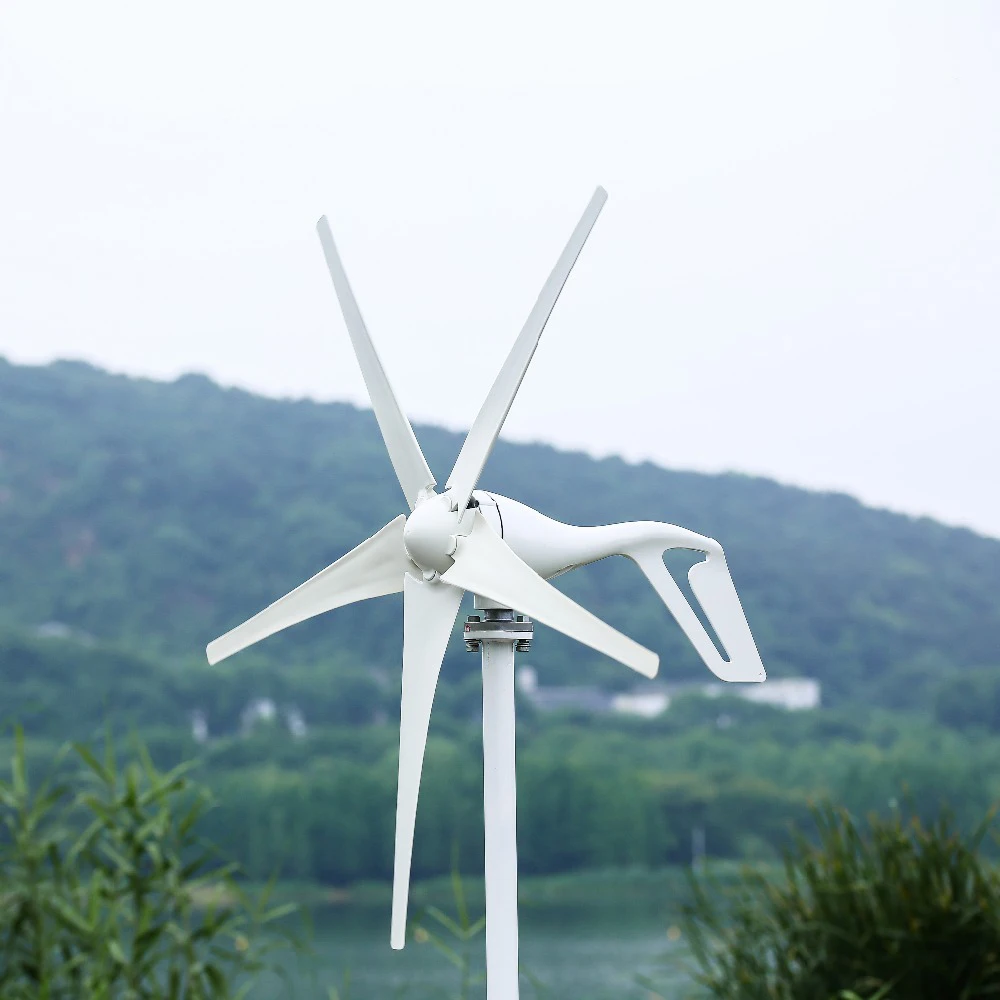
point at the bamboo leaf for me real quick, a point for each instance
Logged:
(87, 756)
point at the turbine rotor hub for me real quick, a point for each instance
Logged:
(430, 535)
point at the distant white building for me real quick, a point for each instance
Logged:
(648, 704)
(265, 710)
(296, 722)
(793, 693)
(53, 630)
(259, 710)
(527, 680)
(554, 699)
(651, 700)
(60, 630)
(199, 726)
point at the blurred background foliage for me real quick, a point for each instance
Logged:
(888, 909)
(138, 520)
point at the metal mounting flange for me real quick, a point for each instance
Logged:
(498, 625)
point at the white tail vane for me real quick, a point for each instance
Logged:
(552, 548)
(504, 552)
(713, 586)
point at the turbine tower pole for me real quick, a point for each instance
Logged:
(498, 632)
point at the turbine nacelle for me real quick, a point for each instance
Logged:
(552, 548)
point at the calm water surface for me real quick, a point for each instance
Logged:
(580, 950)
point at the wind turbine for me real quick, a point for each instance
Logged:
(466, 539)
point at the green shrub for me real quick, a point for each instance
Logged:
(106, 891)
(899, 910)
(452, 937)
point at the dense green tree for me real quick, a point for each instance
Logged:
(970, 700)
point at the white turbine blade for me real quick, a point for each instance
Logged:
(478, 445)
(374, 568)
(429, 611)
(713, 586)
(485, 564)
(404, 452)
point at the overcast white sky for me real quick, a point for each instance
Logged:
(796, 273)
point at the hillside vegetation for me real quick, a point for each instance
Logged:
(160, 515)
(146, 518)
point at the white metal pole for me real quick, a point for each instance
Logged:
(500, 810)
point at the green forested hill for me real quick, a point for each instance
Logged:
(150, 517)
(156, 516)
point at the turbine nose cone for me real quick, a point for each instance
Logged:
(430, 534)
